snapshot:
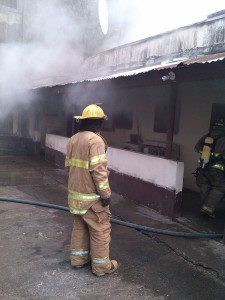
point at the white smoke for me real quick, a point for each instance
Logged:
(148, 18)
(53, 42)
(49, 54)
(137, 19)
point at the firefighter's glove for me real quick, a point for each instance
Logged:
(197, 172)
(105, 202)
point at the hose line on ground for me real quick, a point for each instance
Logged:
(123, 223)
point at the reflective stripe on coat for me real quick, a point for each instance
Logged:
(88, 174)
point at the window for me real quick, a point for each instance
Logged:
(161, 116)
(123, 120)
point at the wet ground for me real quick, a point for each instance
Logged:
(190, 214)
(34, 247)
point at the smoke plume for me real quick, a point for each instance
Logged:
(49, 53)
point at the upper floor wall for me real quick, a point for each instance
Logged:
(189, 42)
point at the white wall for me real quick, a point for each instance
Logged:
(158, 171)
(56, 142)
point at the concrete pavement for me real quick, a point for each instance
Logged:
(34, 260)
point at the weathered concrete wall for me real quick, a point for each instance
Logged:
(189, 42)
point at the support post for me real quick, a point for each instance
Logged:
(224, 236)
(171, 120)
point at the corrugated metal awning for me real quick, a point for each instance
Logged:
(59, 81)
(164, 65)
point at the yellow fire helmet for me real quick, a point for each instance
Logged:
(92, 111)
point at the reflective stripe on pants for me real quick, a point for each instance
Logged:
(79, 251)
(92, 231)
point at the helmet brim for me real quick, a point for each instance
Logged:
(82, 118)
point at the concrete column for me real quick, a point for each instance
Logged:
(171, 120)
(224, 235)
(16, 123)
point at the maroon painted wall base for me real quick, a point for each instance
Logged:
(55, 157)
(161, 200)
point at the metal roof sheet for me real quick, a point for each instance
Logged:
(164, 65)
(59, 81)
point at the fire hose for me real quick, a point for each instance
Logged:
(123, 223)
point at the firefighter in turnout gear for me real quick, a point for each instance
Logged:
(89, 194)
(210, 175)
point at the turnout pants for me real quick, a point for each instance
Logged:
(91, 238)
(212, 187)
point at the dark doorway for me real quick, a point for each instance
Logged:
(218, 111)
(191, 203)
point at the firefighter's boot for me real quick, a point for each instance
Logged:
(114, 267)
(205, 210)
